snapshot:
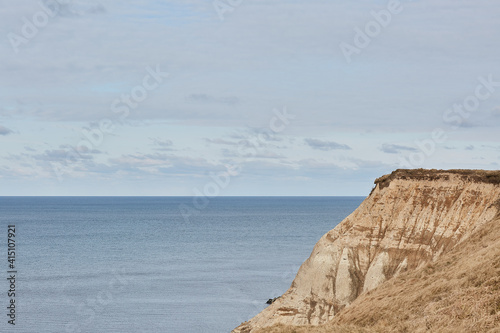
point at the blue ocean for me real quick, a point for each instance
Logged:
(136, 264)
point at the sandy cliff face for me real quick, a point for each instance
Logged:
(409, 219)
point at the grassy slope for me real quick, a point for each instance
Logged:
(460, 292)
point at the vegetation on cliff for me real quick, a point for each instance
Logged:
(476, 176)
(419, 254)
(460, 292)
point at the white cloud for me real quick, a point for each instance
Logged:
(325, 145)
(395, 149)
(229, 75)
(5, 130)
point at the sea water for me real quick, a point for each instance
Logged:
(137, 264)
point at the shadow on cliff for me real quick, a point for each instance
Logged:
(460, 292)
(417, 255)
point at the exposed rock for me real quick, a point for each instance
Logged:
(272, 300)
(410, 219)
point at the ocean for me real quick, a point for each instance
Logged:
(135, 264)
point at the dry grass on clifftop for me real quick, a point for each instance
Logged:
(460, 292)
(477, 176)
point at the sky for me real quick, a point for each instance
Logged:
(243, 97)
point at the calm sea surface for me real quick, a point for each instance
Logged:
(134, 264)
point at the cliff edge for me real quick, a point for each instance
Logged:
(409, 220)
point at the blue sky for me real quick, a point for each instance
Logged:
(256, 97)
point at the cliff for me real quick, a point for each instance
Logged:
(411, 218)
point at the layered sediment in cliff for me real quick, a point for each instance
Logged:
(410, 219)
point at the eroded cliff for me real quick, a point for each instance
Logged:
(410, 219)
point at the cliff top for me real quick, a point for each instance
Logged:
(476, 176)
(395, 231)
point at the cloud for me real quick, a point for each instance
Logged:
(495, 112)
(490, 147)
(75, 158)
(227, 77)
(396, 149)
(269, 168)
(63, 156)
(468, 123)
(204, 98)
(265, 154)
(162, 144)
(219, 141)
(229, 72)
(249, 138)
(80, 149)
(237, 136)
(469, 147)
(325, 145)
(313, 166)
(163, 164)
(264, 134)
(75, 8)
(5, 130)
(257, 154)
